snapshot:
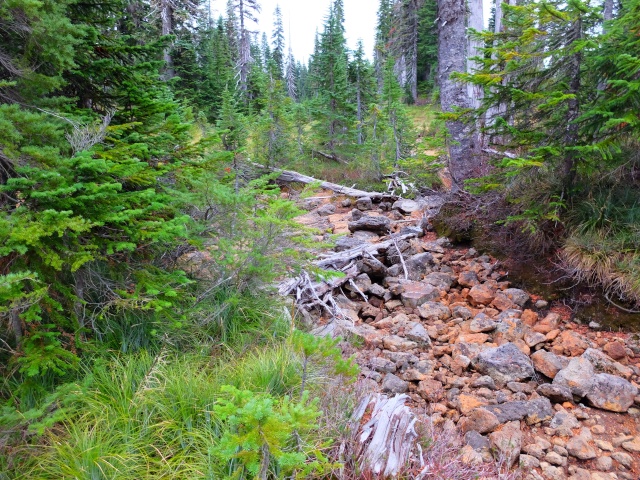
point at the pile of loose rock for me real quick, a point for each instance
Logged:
(440, 324)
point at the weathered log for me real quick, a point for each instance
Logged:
(328, 156)
(386, 441)
(289, 176)
(366, 249)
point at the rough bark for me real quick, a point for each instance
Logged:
(167, 29)
(464, 159)
(475, 21)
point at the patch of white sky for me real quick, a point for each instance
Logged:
(302, 18)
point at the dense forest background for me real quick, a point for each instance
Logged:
(139, 240)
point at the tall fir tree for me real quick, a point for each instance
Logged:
(277, 42)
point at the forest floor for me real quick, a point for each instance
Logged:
(509, 371)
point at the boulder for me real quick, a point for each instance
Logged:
(507, 442)
(548, 323)
(460, 311)
(548, 363)
(326, 210)
(418, 265)
(555, 393)
(416, 332)
(533, 411)
(373, 267)
(534, 338)
(346, 243)
(577, 376)
(468, 279)
(615, 350)
(364, 203)
(406, 206)
(434, 311)
(579, 446)
(431, 390)
(517, 296)
(395, 343)
(481, 295)
(441, 281)
(393, 384)
(480, 420)
(372, 224)
(415, 294)
(504, 364)
(602, 363)
(574, 344)
(482, 323)
(563, 419)
(380, 364)
(612, 393)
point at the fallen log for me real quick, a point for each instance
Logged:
(361, 250)
(289, 176)
(328, 156)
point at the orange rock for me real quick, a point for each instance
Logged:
(553, 334)
(481, 295)
(529, 317)
(573, 343)
(468, 403)
(615, 350)
(472, 338)
(548, 323)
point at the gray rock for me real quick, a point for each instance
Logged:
(406, 206)
(484, 381)
(442, 281)
(395, 343)
(372, 224)
(417, 231)
(623, 458)
(373, 267)
(478, 442)
(377, 290)
(362, 282)
(393, 384)
(356, 214)
(415, 294)
(504, 364)
(611, 393)
(468, 279)
(548, 363)
(434, 311)
(346, 243)
(577, 376)
(364, 203)
(461, 312)
(507, 442)
(533, 411)
(579, 447)
(418, 265)
(555, 393)
(528, 462)
(380, 364)
(517, 296)
(534, 338)
(326, 210)
(603, 363)
(564, 419)
(418, 334)
(482, 323)
(346, 203)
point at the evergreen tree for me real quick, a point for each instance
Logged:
(277, 41)
(382, 40)
(291, 77)
(333, 107)
(363, 84)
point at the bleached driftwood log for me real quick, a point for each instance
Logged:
(386, 441)
(360, 250)
(290, 176)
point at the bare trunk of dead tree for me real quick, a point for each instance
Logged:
(167, 29)
(475, 21)
(464, 146)
(16, 326)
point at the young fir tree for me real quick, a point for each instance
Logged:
(277, 42)
(333, 108)
(382, 41)
(361, 76)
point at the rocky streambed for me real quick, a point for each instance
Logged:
(442, 325)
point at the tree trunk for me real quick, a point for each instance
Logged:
(167, 29)
(16, 326)
(475, 21)
(464, 158)
(608, 13)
